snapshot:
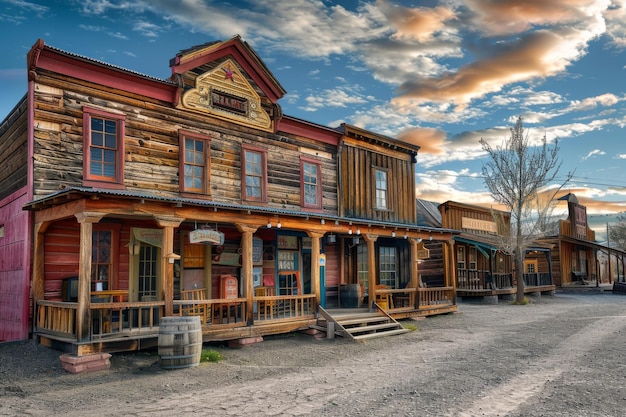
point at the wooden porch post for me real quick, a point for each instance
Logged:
(371, 267)
(38, 261)
(168, 223)
(246, 267)
(83, 312)
(414, 273)
(315, 264)
(448, 255)
(38, 285)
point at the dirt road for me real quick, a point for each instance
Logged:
(559, 356)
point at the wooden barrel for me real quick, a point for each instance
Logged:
(349, 295)
(180, 342)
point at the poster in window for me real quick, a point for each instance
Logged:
(257, 251)
(288, 242)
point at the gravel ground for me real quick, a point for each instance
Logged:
(561, 355)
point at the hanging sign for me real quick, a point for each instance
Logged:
(206, 236)
(152, 237)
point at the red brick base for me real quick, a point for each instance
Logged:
(89, 363)
(239, 343)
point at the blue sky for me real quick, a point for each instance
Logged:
(438, 73)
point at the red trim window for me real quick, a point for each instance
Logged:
(195, 162)
(103, 148)
(254, 168)
(310, 183)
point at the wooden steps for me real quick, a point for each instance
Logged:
(359, 324)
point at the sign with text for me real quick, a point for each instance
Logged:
(206, 236)
(476, 224)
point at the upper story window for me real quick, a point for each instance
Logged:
(381, 182)
(195, 162)
(103, 144)
(254, 168)
(311, 183)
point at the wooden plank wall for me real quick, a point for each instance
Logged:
(14, 262)
(358, 200)
(152, 151)
(13, 151)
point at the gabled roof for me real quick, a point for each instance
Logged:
(194, 57)
(428, 213)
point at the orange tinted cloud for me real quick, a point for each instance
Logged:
(514, 16)
(429, 140)
(416, 23)
(535, 55)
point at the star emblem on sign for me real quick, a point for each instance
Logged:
(228, 74)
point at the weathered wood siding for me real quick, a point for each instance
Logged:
(452, 214)
(358, 196)
(14, 151)
(152, 149)
(14, 226)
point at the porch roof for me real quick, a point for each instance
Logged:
(77, 193)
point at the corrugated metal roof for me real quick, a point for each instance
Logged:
(105, 64)
(82, 191)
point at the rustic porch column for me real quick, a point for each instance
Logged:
(370, 239)
(315, 264)
(83, 312)
(246, 267)
(168, 223)
(38, 285)
(414, 273)
(448, 256)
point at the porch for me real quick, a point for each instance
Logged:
(481, 283)
(124, 326)
(416, 302)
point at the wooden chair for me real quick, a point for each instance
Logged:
(200, 309)
(264, 306)
(384, 300)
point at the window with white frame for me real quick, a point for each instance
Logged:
(472, 258)
(460, 257)
(311, 183)
(381, 183)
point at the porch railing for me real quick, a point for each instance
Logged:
(408, 299)
(221, 312)
(482, 279)
(59, 318)
(538, 279)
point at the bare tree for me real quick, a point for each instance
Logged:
(515, 174)
(617, 232)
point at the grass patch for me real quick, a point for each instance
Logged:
(210, 356)
(412, 327)
(521, 303)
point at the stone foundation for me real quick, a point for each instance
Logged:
(239, 343)
(89, 363)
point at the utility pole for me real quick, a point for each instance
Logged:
(608, 246)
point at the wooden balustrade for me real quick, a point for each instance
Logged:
(409, 299)
(435, 297)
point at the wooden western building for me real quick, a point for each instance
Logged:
(578, 258)
(129, 198)
(483, 267)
